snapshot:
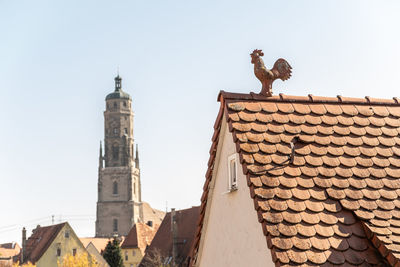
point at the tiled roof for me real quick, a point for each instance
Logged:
(40, 240)
(11, 245)
(151, 214)
(9, 252)
(140, 236)
(99, 243)
(186, 227)
(334, 198)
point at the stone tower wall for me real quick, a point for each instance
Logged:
(119, 200)
(118, 131)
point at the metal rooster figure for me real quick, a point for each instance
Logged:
(281, 70)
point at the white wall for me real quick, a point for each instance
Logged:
(231, 234)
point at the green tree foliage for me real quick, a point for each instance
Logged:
(112, 254)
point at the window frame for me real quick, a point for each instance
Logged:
(115, 152)
(115, 225)
(232, 185)
(115, 188)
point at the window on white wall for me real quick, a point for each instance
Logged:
(232, 169)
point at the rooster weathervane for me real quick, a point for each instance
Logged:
(281, 70)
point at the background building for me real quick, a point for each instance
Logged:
(50, 244)
(119, 204)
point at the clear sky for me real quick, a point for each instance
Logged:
(58, 60)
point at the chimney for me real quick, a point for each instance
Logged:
(174, 230)
(23, 244)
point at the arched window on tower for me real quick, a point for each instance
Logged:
(115, 188)
(115, 105)
(115, 152)
(115, 225)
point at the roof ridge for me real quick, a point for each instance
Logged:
(309, 99)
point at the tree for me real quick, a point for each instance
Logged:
(112, 254)
(80, 260)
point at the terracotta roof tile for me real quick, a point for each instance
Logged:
(333, 109)
(361, 121)
(396, 151)
(285, 107)
(329, 119)
(334, 197)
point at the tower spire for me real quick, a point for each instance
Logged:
(101, 156)
(118, 83)
(137, 157)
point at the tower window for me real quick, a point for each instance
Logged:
(124, 104)
(73, 251)
(115, 151)
(115, 131)
(115, 105)
(115, 188)
(58, 252)
(115, 225)
(126, 130)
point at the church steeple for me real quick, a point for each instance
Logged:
(119, 203)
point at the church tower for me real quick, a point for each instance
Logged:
(119, 203)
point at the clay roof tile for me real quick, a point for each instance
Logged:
(323, 172)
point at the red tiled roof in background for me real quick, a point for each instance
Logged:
(140, 236)
(9, 250)
(40, 240)
(334, 198)
(186, 227)
(99, 243)
(11, 245)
